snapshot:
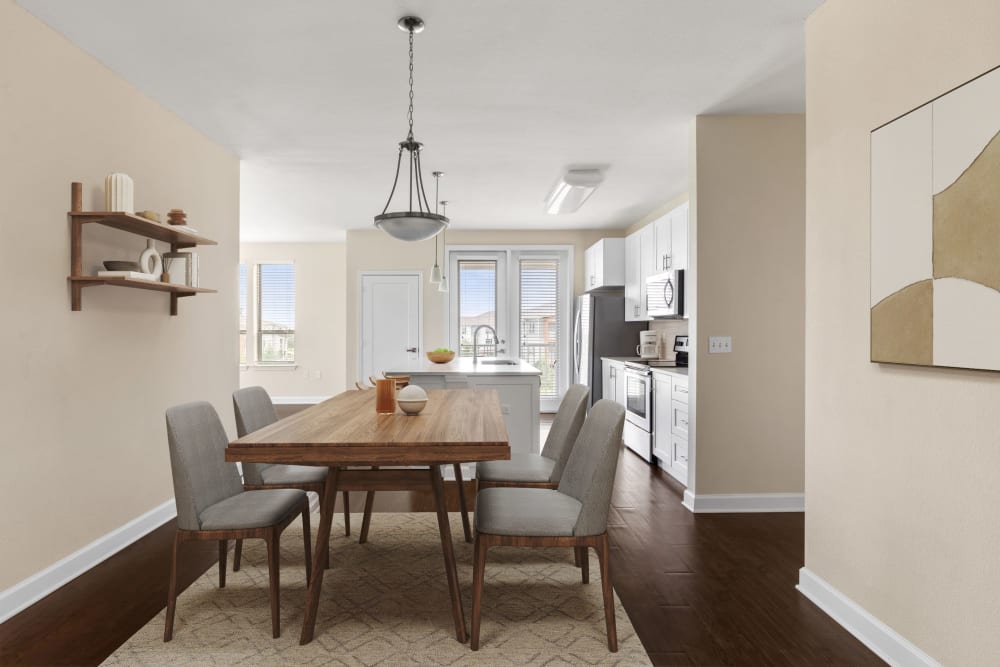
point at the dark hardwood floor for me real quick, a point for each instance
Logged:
(699, 589)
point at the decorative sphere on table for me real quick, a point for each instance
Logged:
(411, 399)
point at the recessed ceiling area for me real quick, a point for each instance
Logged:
(312, 96)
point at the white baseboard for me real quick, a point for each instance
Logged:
(29, 591)
(298, 400)
(885, 642)
(744, 502)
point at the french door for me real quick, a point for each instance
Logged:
(526, 295)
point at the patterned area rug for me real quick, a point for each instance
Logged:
(387, 603)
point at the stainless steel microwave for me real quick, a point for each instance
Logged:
(665, 294)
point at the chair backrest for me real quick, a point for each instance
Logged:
(254, 410)
(590, 471)
(565, 428)
(202, 477)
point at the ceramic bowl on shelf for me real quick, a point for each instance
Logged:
(120, 265)
(411, 399)
(441, 357)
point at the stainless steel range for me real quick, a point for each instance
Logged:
(638, 434)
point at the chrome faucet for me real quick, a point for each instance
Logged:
(475, 341)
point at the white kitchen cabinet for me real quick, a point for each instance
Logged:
(613, 380)
(607, 379)
(679, 237)
(663, 236)
(661, 417)
(670, 423)
(640, 263)
(604, 264)
(671, 240)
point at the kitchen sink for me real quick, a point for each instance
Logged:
(499, 362)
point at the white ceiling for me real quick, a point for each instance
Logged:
(311, 94)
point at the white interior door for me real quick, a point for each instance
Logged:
(391, 330)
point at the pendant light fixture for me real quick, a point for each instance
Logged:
(412, 224)
(443, 285)
(436, 271)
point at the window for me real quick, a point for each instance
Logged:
(267, 313)
(243, 314)
(275, 313)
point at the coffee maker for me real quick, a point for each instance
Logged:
(649, 345)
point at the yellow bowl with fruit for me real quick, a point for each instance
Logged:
(442, 355)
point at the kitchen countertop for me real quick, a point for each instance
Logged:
(462, 366)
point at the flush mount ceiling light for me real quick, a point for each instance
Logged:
(571, 190)
(419, 224)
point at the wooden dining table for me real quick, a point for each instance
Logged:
(344, 432)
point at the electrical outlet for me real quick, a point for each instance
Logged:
(720, 344)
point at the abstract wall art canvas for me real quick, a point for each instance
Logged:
(935, 231)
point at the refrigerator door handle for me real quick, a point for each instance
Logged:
(576, 344)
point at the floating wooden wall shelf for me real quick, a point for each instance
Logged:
(175, 235)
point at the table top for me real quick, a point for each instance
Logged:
(457, 426)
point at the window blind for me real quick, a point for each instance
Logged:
(539, 325)
(276, 313)
(477, 304)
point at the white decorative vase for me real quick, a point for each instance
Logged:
(118, 193)
(150, 260)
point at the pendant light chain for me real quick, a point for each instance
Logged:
(409, 113)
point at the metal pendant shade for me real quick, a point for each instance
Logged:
(415, 223)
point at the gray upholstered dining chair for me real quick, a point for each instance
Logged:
(541, 470)
(254, 410)
(212, 504)
(574, 515)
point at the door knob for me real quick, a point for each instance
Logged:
(411, 349)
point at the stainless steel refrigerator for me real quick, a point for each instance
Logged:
(600, 330)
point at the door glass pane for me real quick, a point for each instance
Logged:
(477, 305)
(539, 325)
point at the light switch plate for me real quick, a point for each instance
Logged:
(720, 344)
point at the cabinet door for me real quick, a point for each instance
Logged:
(679, 458)
(633, 279)
(679, 237)
(590, 277)
(661, 419)
(663, 239)
(598, 262)
(607, 380)
(647, 264)
(620, 383)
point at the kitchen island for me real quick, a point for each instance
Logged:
(518, 383)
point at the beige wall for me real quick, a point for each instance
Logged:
(374, 250)
(902, 464)
(83, 394)
(320, 309)
(749, 218)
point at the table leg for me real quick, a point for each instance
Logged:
(322, 548)
(451, 571)
(461, 503)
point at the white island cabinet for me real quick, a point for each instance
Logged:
(517, 383)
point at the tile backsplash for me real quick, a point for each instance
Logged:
(668, 329)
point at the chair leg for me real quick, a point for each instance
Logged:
(366, 520)
(461, 503)
(478, 574)
(223, 557)
(168, 628)
(238, 555)
(603, 556)
(347, 514)
(306, 541)
(583, 558)
(273, 579)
